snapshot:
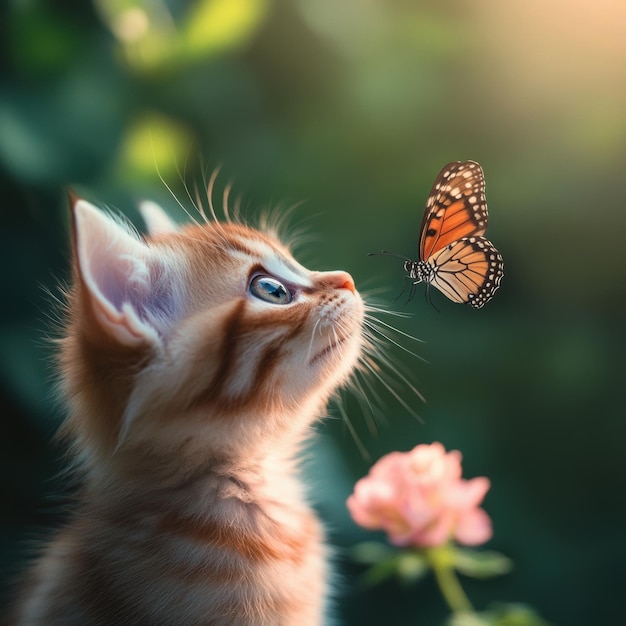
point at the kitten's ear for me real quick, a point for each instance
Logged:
(117, 271)
(156, 219)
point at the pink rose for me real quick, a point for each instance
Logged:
(420, 499)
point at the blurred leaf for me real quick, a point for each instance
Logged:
(406, 566)
(220, 24)
(481, 564)
(41, 39)
(510, 614)
(411, 567)
(370, 552)
(469, 619)
(380, 572)
(145, 30)
(500, 614)
(152, 40)
(154, 145)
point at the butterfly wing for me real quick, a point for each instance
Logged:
(456, 207)
(468, 270)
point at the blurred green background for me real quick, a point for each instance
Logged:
(353, 106)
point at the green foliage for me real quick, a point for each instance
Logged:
(353, 107)
(499, 614)
(385, 562)
(410, 565)
(151, 41)
(481, 563)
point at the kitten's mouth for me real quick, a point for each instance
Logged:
(327, 350)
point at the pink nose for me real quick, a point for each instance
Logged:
(340, 280)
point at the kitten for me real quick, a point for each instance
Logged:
(194, 363)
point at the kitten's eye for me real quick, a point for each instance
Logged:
(270, 290)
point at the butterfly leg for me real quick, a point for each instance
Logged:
(403, 289)
(412, 292)
(429, 297)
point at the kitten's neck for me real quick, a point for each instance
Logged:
(223, 495)
(208, 442)
(200, 472)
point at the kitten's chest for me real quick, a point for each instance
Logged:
(264, 563)
(275, 575)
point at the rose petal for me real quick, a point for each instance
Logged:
(474, 528)
(436, 533)
(420, 498)
(467, 494)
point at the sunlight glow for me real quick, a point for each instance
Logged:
(150, 39)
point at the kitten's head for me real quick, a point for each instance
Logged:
(209, 337)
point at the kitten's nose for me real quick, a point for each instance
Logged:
(340, 280)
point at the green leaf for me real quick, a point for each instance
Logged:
(221, 24)
(369, 552)
(499, 614)
(153, 143)
(481, 564)
(510, 614)
(469, 619)
(407, 566)
(411, 567)
(380, 572)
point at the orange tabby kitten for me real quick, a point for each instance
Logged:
(194, 363)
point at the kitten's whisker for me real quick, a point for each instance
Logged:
(335, 345)
(391, 390)
(373, 309)
(395, 343)
(171, 192)
(225, 195)
(209, 190)
(367, 292)
(380, 306)
(348, 422)
(366, 406)
(312, 338)
(198, 204)
(209, 186)
(183, 177)
(378, 400)
(339, 339)
(237, 207)
(373, 354)
(397, 372)
(375, 320)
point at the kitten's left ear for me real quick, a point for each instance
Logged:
(121, 278)
(157, 220)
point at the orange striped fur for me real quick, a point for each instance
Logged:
(189, 397)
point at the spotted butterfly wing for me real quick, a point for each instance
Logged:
(454, 255)
(456, 207)
(467, 270)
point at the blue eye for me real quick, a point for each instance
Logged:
(270, 290)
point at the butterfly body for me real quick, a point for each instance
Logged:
(454, 256)
(420, 271)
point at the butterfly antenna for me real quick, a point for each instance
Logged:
(386, 253)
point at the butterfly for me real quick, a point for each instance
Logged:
(453, 254)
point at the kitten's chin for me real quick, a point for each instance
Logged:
(336, 351)
(327, 352)
(337, 358)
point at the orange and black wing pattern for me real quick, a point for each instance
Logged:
(468, 270)
(456, 207)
